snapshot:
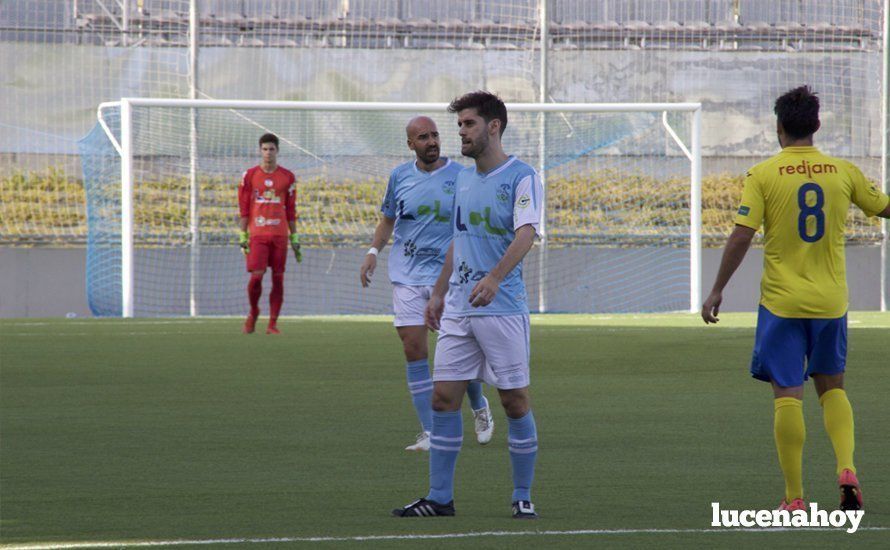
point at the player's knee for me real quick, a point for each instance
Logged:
(826, 382)
(414, 343)
(414, 350)
(516, 409)
(516, 404)
(790, 391)
(256, 279)
(442, 402)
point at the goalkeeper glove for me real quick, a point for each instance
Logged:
(295, 244)
(244, 242)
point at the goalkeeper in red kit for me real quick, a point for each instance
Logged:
(267, 199)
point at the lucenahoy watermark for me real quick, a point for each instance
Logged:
(785, 518)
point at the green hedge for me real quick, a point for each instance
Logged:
(49, 207)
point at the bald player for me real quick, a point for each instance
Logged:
(417, 211)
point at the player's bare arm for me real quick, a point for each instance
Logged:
(436, 304)
(736, 247)
(487, 288)
(381, 236)
(885, 213)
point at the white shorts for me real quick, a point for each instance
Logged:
(491, 348)
(409, 303)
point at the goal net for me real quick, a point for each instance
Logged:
(161, 176)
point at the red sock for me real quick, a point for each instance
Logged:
(254, 291)
(276, 297)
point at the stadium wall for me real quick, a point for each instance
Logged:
(50, 282)
(50, 105)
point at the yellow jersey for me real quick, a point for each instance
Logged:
(801, 197)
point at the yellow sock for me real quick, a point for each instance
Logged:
(838, 416)
(790, 435)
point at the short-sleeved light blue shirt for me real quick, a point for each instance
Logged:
(488, 208)
(421, 204)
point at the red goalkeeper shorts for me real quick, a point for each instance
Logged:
(268, 251)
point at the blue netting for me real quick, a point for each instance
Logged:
(101, 181)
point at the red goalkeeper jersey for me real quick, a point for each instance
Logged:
(268, 200)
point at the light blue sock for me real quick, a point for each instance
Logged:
(421, 387)
(522, 438)
(474, 392)
(445, 442)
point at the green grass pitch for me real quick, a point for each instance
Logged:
(161, 430)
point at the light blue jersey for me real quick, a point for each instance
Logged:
(487, 210)
(421, 204)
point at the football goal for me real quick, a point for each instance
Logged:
(623, 214)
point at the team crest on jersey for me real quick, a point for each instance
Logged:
(503, 193)
(269, 183)
(448, 187)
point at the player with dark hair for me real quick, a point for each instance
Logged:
(483, 322)
(486, 105)
(801, 198)
(417, 211)
(267, 201)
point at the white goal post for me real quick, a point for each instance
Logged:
(125, 148)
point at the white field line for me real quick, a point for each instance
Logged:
(222, 332)
(372, 538)
(188, 320)
(118, 333)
